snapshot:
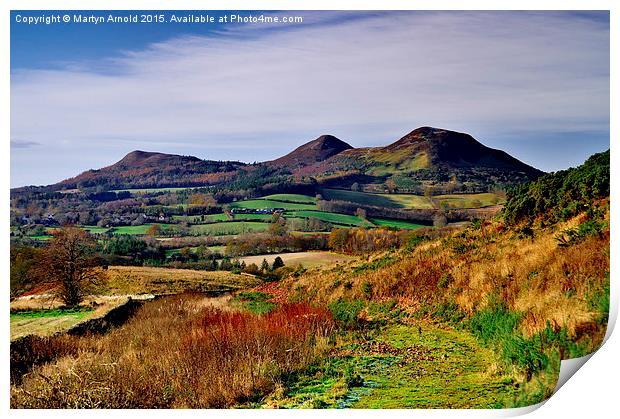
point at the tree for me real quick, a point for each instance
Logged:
(154, 230)
(361, 213)
(264, 267)
(278, 225)
(69, 261)
(277, 263)
(440, 220)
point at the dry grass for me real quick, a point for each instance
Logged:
(305, 259)
(534, 276)
(178, 353)
(154, 280)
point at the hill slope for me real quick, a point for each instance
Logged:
(148, 169)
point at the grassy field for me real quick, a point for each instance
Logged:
(332, 217)
(306, 259)
(45, 322)
(43, 314)
(378, 200)
(95, 229)
(138, 230)
(268, 203)
(297, 198)
(405, 225)
(228, 228)
(154, 280)
(470, 200)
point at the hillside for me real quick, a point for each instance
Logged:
(148, 169)
(533, 286)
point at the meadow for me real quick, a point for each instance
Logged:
(305, 259)
(410, 201)
(269, 203)
(123, 280)
(228, 228)
(331, 217)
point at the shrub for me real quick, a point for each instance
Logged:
(347, 312)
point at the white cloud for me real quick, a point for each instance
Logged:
(367, 81)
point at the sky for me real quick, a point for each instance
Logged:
(534, 84)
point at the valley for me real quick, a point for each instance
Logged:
(430, 273)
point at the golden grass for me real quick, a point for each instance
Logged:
(534, 276)
(179, 352)
(154, 280)
(305, 259)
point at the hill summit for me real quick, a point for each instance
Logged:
(312, 152)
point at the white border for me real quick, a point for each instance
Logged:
(592, 393)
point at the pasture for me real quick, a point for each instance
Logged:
(289, 197)
(155, 280)
(331, 217)
(405, 225)
(269, 203)
(228, 228)
(305, 259)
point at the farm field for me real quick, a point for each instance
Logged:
(228, 228)
(43, 315)
(470, 200)
(332, 217)
(45, 322)
(155, 280)
(306, 259)
(268, 203)
(408, 225)
(141, 229)
(379, 200)
(410, 201)
(296, 198)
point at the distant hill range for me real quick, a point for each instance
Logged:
(426, 157)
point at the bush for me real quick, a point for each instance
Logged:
(346, 312)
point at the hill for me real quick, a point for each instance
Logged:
(148, 169)
(426, 158)
(314, 151)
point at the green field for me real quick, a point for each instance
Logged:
(46, 321)
(286, 197)
(95, 229)
(331, 217)
(378, 200)
(268, 203)
(228, 228)
(405, 225)
(138, 230)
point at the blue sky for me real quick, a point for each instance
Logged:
(82, 96)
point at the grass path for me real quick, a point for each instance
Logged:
(405, 366)
(441, 369)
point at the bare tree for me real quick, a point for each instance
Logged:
(69, 262)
